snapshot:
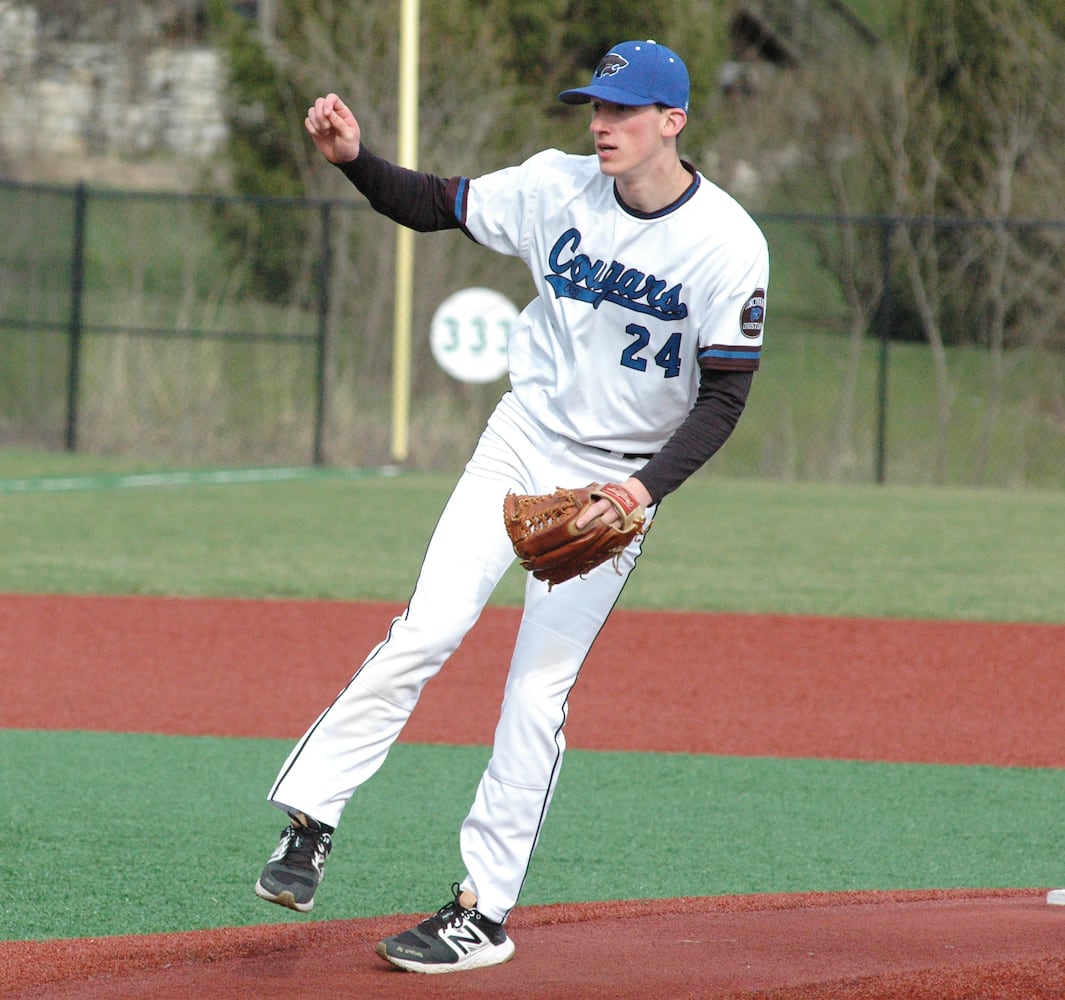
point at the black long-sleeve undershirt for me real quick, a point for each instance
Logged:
(422, 202)
(425, 203)
(721, 400)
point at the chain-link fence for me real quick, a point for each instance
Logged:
(207, 330)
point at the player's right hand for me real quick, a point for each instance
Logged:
(334, 129)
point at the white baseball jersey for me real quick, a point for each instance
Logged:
(629, 305)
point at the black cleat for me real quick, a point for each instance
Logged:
(294, 870)
(452, 939)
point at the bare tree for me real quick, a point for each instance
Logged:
(1009, 66)
(955, 131)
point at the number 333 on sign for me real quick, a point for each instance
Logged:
(468, 334)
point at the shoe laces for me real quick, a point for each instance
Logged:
(458, 912)
(306, 845)
(451, 914)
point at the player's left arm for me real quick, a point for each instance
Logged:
(721, 400)
(727, 363)
(728, 358)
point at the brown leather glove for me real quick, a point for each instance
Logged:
(542, 530)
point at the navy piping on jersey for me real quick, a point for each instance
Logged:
(729, 358)
(689, 191)
(461, 192)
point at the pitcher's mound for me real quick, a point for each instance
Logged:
(950, 945)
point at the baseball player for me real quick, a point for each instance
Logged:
(630, 367)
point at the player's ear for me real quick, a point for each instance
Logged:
(673, 122)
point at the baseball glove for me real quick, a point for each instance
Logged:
(542, 530)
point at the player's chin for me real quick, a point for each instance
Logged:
(608, 161)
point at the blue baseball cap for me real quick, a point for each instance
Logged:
(635, 74)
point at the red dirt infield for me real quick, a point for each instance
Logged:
(730, 684)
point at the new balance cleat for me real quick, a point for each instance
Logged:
(294, 870)
(452, 939)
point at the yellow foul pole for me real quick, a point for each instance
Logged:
(408, 157)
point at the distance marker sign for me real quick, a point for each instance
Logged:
(468, 334)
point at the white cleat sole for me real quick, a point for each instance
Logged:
(285, 899)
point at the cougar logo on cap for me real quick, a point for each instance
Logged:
(610, 64)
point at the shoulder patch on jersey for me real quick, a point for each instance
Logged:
(752, 318)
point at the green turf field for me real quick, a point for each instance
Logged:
(118, 834)
(718, 544)
(113, 833)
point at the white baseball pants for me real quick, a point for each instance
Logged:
(468, 553)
